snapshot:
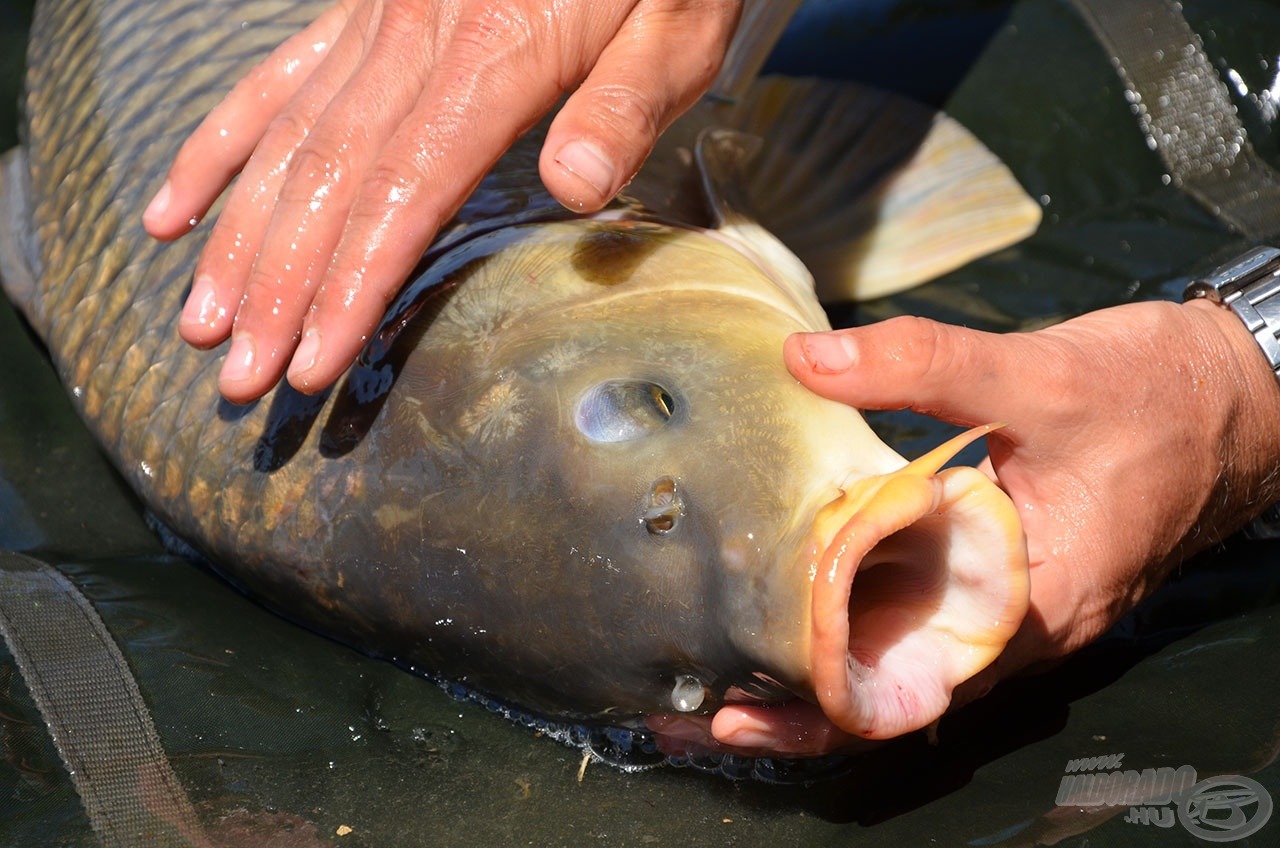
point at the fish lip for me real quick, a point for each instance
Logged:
(940, 563)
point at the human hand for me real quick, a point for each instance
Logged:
(361, 135)
(1135, 437)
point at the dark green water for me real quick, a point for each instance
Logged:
(283, 737)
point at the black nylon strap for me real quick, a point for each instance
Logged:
(1185, 110)
(98, 720)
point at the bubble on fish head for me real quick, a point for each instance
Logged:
(688, 694)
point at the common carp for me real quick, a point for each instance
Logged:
(570, 470)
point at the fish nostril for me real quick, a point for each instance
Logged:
(665, 507)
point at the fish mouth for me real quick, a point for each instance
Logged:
(922, 580)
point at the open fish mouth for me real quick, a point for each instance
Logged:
(922, 580)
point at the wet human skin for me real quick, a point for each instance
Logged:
(359, 137)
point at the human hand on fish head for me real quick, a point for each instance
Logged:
(1135, 437)
(361, 135)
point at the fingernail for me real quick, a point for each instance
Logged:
(159, 204)
(239, 362)
(749, 733)
(587, 163)
(201, 308)
(304, 358)
(830, 353)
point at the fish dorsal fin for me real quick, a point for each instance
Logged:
(723, 158)
(874, 192)
(18, 265)
(760, 25)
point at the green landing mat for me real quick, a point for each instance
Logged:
(284, 738)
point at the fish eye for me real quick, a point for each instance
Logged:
(622, 410)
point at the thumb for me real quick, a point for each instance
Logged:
(959, 375)
(662, 60)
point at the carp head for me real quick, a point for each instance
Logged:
(669, 521)
(815, 561)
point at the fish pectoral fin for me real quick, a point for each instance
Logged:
(920, 589)
(874, 192)
(723, 159)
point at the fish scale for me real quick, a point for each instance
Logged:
(112, 316)
(93, 251)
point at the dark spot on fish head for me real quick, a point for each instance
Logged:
(610, 254)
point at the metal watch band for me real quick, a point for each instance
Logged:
(1248, 286)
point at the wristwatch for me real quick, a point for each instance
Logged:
(1248, 285)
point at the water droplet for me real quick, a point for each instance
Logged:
(688, 693)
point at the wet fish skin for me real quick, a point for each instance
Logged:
(446, 505)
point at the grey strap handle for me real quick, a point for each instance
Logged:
(99, 722)
(1186, 111)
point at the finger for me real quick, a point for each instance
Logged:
(228, 256)
(223, 142)
(321, 185)
(796, 728)
(953, 373)
(674, 730)
(657, 67)
(468, 114)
